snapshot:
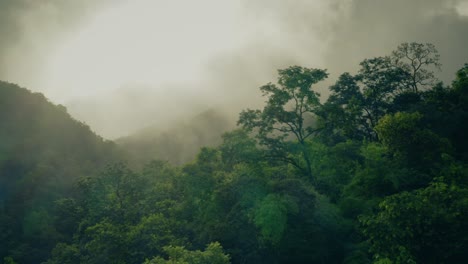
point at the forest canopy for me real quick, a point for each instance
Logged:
(374, 173)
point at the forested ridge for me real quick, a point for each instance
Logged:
(177, 143)
(376, 172)
(43, 152)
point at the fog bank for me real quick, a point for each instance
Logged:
(120, 66)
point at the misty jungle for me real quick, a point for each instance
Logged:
(368, 165)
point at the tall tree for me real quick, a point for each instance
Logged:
(358, 102)
(289, 108)
(417, 59)
(382, 85)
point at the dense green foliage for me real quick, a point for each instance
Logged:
(376, 173)
(43, 151)
(178, 255)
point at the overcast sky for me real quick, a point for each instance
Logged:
(123, 65)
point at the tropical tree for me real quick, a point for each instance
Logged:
(416, 59)
(288, 114)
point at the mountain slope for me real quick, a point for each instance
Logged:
(178, 143)
(43, 151)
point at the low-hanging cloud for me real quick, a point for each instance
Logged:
(30, 30)
(332, 34)
(375, 27)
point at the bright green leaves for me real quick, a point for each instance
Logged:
(401, 130)
(213, 254)
(97, 247)
(8, 260)
(404, 134)
(421, 225)
(152, 234)
(271, 217)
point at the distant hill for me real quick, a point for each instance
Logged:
(43, 151)
(180, 142)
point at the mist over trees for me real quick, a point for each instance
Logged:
(374, 173)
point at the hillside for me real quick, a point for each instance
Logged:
(43, 151)
(379, 176)
(178, 143)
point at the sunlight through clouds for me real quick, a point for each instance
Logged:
(144, 42)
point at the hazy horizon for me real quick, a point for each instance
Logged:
(120, 66)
